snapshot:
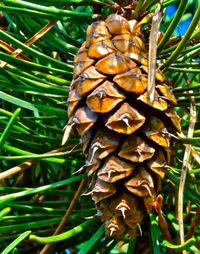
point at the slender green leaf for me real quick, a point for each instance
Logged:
(8, 128)
(4, 212)
(131, 246)
(19, 239)
(30, 65)
(155, 233)
(10, 197)
(18, 102)
(181, 9)
(31, 225)
(34, 52)
(64, 236)
(48, 10)
(185, 39)
(88, 245)
(184, 246)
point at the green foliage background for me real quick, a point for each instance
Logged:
(37, 174)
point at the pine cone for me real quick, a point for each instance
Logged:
(125, 137)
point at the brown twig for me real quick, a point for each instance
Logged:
(185, 168)
(161, 220)
(195, 155)
(10, 49)
(17, 169)
(156, 20)
(33, 39)
(49, 247)
(194, 224)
